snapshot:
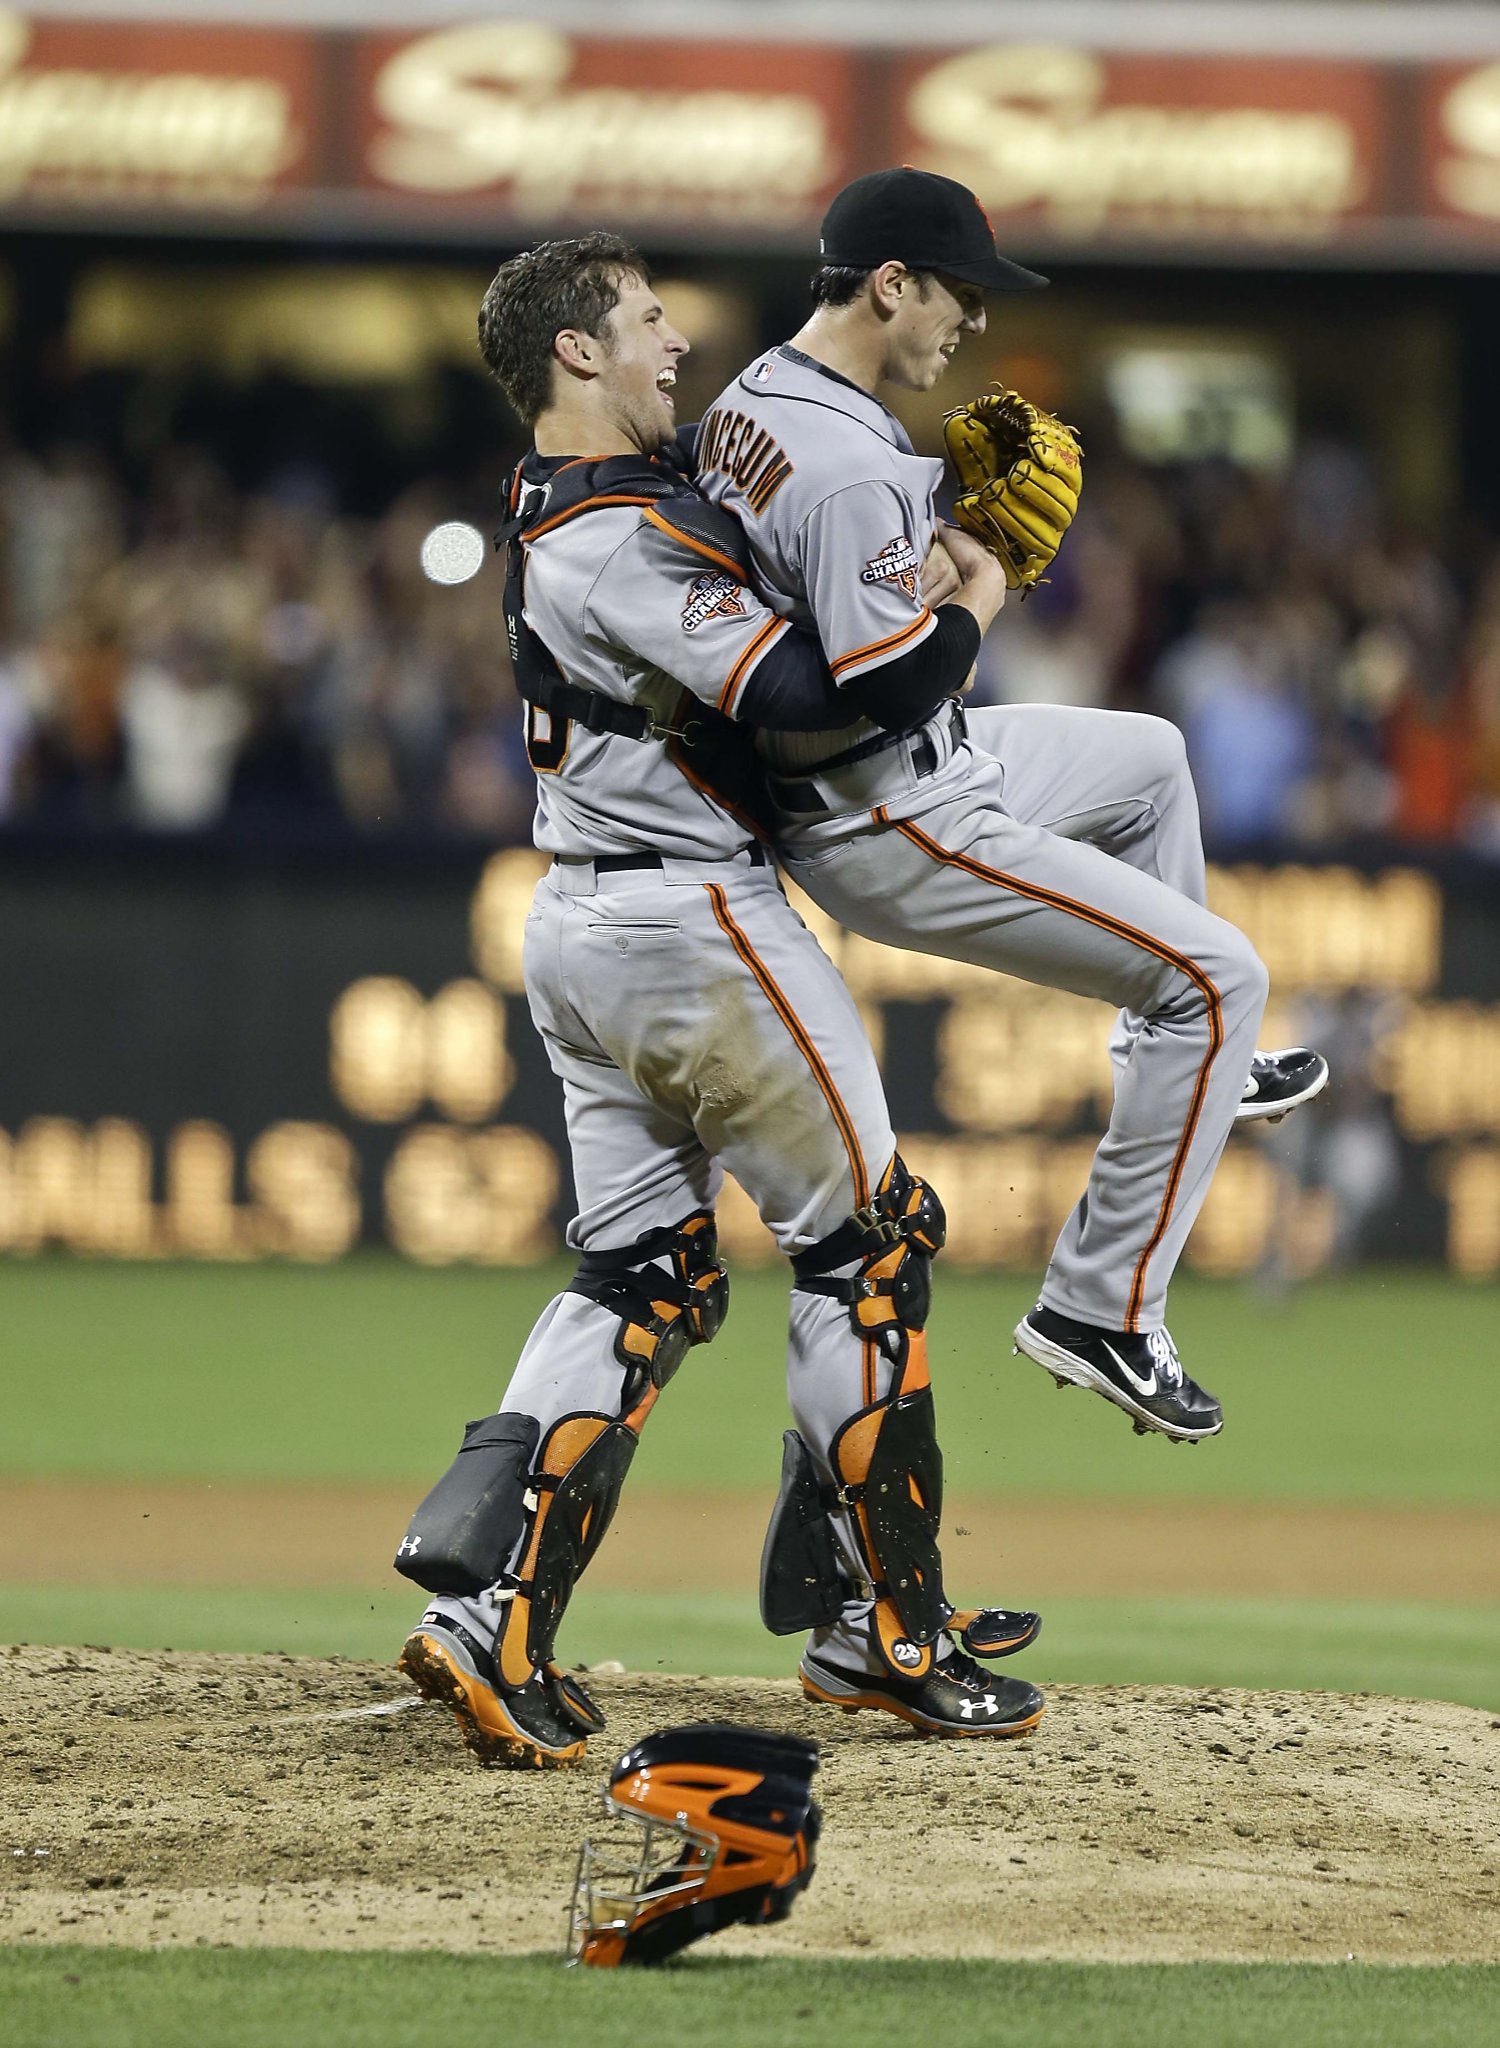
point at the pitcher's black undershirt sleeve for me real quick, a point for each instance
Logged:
(907, 691)
(791, 689)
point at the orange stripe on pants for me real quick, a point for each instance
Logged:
(800, 1038)
(1190, 968)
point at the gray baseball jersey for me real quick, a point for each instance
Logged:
(638, 612)
(1064, 851)
(837, 509)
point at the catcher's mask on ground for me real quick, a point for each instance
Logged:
(712, 1824)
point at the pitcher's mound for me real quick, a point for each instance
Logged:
(171, 1799)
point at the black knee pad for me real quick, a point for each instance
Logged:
(914, 1205)
(662, 1314)
(462, 1537)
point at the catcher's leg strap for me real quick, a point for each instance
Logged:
(802, 1584)
(463, 1535)
(663, 1309)
(891, 1244)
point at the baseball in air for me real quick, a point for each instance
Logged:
(452, 552)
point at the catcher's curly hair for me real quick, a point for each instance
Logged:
(570, 283)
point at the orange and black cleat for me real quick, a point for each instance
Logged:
(542, 1725)
(956, 1697)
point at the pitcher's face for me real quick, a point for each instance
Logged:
(925, 332)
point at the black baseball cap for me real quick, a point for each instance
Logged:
(921, 220)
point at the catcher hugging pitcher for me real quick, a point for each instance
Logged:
(741, 637)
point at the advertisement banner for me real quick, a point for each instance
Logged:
(106, 116)
(1066, 143)
(1461, 147)
(538, 127)
(493, 125)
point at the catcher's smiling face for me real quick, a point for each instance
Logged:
(928, 317)
(639, 376)
(618, 392)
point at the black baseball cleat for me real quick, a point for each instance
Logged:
(1140, 1373)
(957, 1697)
(1281, 1082)
(542, 1725)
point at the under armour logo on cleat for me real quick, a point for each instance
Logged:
(987, 1704)
(409, 1546)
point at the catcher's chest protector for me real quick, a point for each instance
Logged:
(712, 751)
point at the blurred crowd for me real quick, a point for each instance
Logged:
(180, 653)
(189, 655)
(1334, 679)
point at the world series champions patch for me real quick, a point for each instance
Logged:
(716, 596)
(896, 563)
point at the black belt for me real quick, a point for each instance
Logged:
(926, 757)
(621, 863)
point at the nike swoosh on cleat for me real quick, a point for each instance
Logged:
(1145, 1388)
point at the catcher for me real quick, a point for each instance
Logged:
(1055, 844)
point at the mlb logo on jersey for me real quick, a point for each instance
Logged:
(896, 563)
(764, 370)
(713, 597)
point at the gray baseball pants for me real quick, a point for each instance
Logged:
(696, 1025)
(1062, 846)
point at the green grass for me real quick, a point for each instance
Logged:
(1348, 1390)
(1344, 1392)
(57, 1998)
(1415, 1651)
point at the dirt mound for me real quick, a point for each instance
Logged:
(167, 1800)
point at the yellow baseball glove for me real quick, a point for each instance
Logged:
(1020, 471)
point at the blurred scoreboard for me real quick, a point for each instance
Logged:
(246, 1056)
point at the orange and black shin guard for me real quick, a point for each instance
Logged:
(887, 1467)
(890, 1481)
(669, 1292)
(575, 1488)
